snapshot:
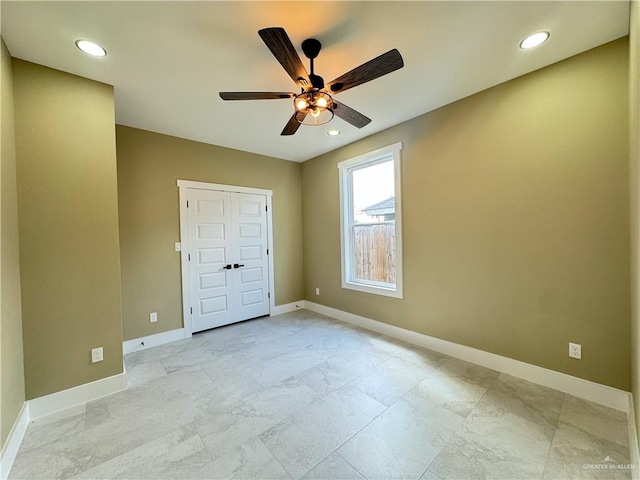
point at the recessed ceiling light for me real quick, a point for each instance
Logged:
(333, 133)
(91, 48)
(534, 40)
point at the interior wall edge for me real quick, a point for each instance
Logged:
(12, 382)
(634, 206)
(634, 451)
(14, 440)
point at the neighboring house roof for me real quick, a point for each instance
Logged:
(384, 207)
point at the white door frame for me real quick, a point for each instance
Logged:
(183, 185)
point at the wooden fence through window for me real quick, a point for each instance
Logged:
(375, 252)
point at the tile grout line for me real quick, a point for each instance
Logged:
(211, 459)
(348, 384)
(352, 466)
(335, 450)
(339, 446)
(274, 456)
(453, 433)
(315, 402)
(32, 422)
(555, 432)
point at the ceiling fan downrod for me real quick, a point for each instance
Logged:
(311, 48)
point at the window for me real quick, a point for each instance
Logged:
(371, 222)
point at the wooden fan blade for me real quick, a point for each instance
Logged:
(379, 66)
(292, 126)
(255, 95)
(350, 115)
(280, 45)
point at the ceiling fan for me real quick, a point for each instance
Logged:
(315, 105)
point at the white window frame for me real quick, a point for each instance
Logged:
(384, 154)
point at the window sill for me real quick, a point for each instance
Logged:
(387, 292)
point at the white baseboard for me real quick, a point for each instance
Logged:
(286, 308)
(634, 454)
(163, 338)
(12, 444)
(154, 340)
(595, 392)
(41, 406)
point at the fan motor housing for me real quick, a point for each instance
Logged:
(311, 47)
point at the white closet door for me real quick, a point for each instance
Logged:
(249, 234)
(210, 264)
(228, 265)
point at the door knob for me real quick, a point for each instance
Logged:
(236, 265)
(227, 267)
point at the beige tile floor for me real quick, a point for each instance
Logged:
(305, 396)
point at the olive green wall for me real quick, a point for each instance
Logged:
(516, 220)
(11, 365)
(68, 227)
(634, 177)
(148, 166)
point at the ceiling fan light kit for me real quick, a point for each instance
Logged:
(313, 108)
(314, 105)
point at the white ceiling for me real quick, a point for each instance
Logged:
(168, 60)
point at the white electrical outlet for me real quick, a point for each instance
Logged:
(575, 350)
(317, 291)
(96, 355)
(177, 246)
(153, 317)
